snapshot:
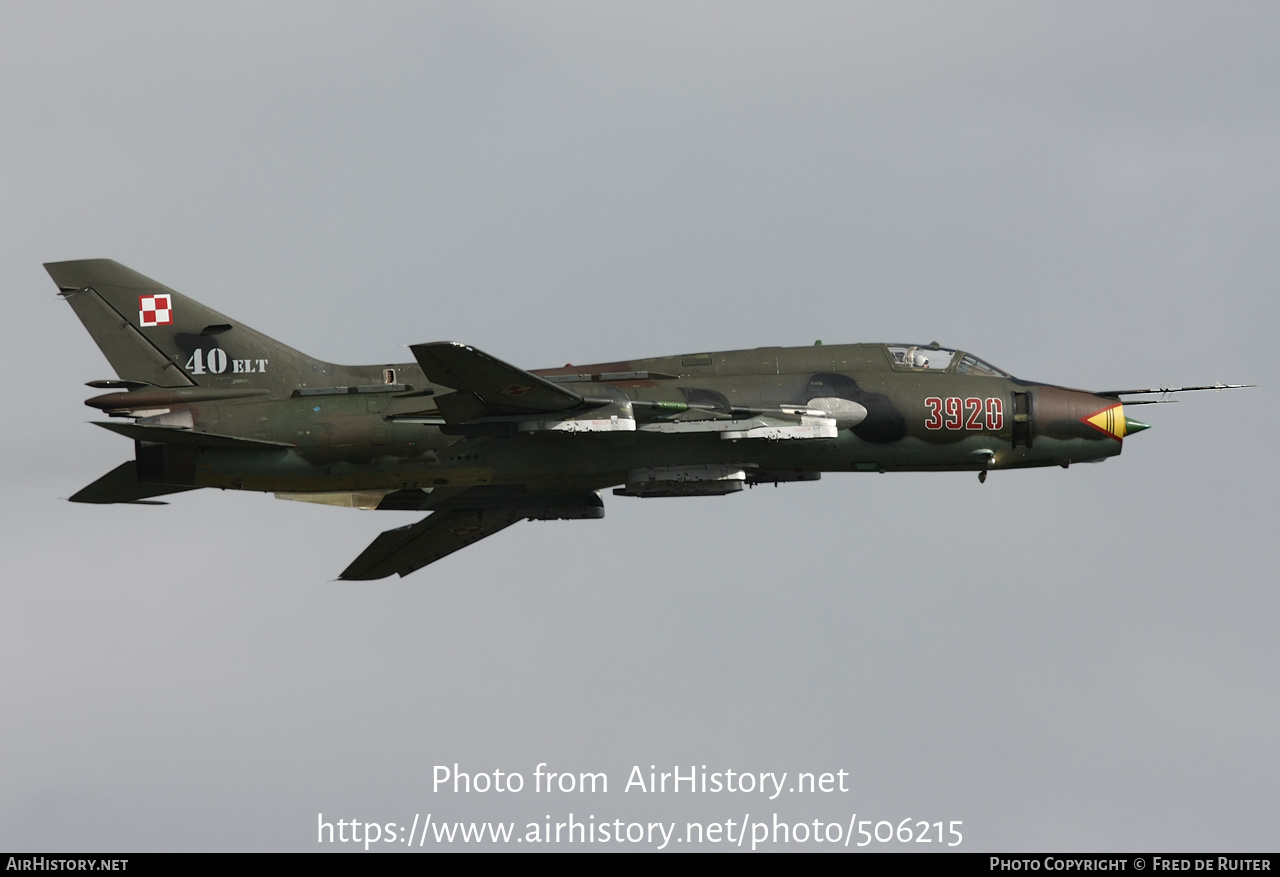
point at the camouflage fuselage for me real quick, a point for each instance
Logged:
(377, 428)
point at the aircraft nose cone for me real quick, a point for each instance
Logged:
(1111, 420)
(1131, 426)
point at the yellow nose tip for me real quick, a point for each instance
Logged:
(1112, 421)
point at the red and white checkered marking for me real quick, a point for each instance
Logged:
(155, 310)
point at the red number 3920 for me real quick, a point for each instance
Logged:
(972, 414)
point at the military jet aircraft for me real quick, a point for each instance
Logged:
(481, 444)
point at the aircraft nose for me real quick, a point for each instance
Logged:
(1113, 421)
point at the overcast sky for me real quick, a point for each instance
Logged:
(1085, 194)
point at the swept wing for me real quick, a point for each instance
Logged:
(487, 386)
(465, 517)
(406, 549)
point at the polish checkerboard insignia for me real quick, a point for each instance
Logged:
(155, 310)
(515, 390)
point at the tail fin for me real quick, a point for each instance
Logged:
(152, 334)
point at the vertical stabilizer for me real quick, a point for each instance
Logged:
(153, 334)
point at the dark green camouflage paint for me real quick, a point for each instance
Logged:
(258, 415)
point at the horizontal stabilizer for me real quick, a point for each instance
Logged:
(121, 484)
(174, 435)
(487, 386)
(406, 549)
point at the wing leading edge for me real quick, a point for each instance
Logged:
(487, 386)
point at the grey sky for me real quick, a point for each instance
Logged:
(1065, 660)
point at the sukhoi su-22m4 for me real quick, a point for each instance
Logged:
(480, 444)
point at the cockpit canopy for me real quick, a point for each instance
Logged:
(933, 357)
